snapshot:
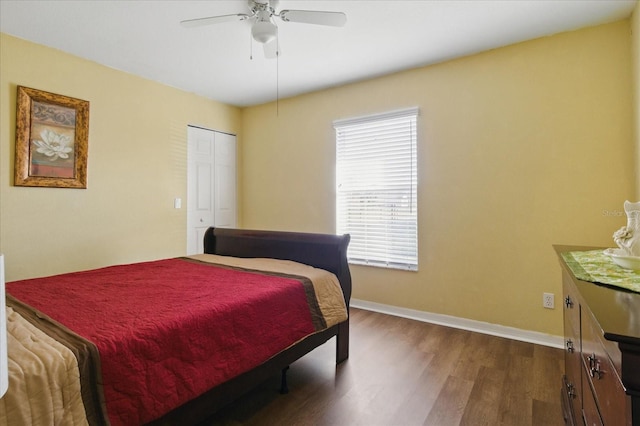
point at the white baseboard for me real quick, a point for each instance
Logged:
(463, 323)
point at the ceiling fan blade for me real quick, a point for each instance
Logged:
(272, 49)
(333, 19)
(189, 23)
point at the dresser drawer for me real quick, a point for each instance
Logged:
(571, 308)
(602, 376)
(590, 414)
(572, 367)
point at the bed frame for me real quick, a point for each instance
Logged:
(323, 251)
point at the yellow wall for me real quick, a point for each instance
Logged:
(635, 45)
(137, 165)
(519, 148)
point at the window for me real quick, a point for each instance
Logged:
(376, 187)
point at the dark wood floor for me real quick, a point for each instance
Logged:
(404, 372)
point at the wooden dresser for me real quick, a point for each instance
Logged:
(601, 385)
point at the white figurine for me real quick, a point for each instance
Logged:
(628, 237)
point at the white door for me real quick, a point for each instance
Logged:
(225, 180)
(211, 184)
(200, 186)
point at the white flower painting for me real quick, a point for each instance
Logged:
(52, 135)
(54, 145)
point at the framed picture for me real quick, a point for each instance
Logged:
(52, 137)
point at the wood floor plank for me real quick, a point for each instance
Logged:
(484, 400)
(547, 413)
(546, 366)
(452, 400)
(481, 350)
(406, 372)
(515, 406)
(422, 393)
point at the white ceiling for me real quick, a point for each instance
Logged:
(380, 37)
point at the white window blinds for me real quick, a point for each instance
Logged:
(376, 177)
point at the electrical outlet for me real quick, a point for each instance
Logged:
(548, 300)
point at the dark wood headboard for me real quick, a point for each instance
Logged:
(324, 251)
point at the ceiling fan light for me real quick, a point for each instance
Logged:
(264, 31)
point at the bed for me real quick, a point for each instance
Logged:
(173, 351)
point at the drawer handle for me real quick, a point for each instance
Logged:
(571, 390)
(568, 302)
(569, 345)
(594, 367)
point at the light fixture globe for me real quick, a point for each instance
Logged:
(264, 31)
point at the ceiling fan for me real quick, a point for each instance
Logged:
(263, 29)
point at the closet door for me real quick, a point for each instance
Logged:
(200, 186)
(225, 180)
(211, 184)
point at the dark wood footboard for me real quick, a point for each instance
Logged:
(328, 252)
(324, 251)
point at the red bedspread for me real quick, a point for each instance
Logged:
(169, 330)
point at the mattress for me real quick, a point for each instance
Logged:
(126, 344)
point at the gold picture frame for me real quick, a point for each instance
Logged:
(52, 140)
